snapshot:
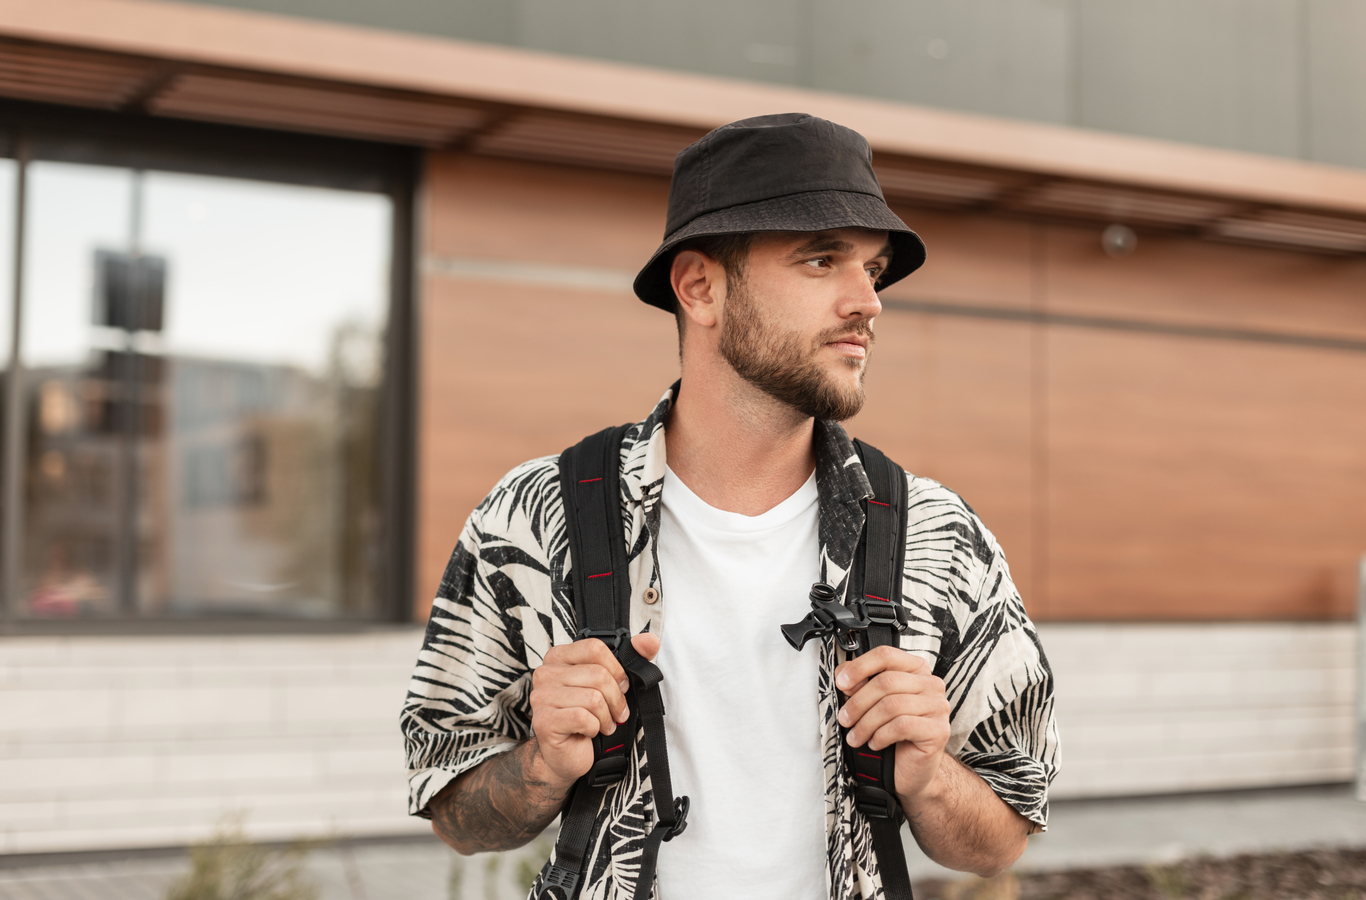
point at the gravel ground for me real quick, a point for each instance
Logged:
(1311, 875)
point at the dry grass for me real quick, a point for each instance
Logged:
(1314, 875)
(229, 867)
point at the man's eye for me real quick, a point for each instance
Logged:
(819, 262)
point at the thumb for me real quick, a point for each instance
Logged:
(647, 645)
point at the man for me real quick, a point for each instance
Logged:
(738, 492)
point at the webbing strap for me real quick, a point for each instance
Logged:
(590, 483)
(671, 816)
(590, 487)
(884, 552)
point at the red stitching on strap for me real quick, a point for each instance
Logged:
(869, 777)
(617, 747)
(870, 500)
(869, 596)
(870, 755)
(603, 575)
(591, 480)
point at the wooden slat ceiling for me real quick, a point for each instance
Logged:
(79, 77)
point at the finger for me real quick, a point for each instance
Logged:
(595, 677)
(920, 707)
(885, 684)
(555, 726)
(570, 697)
(926, 734)
(851, 674)
(588, 651)
(647, 645)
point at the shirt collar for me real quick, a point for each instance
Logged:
(840, 479)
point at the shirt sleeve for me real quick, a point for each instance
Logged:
(469, 698)
(998, 681)
(1013, 742)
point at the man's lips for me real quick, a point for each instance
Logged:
(853, 345)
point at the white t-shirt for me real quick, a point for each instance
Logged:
(740, 704)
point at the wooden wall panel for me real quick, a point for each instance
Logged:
(1191, 282)
(949, 398)
(512, 371)
(498, 209)
(1128, 475)
(528, 373)
(1203, 479)
(970, 260)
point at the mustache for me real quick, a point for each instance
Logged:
(862, 328)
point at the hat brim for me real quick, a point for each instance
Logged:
(810, 211)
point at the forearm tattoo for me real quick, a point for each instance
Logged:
(497, 805)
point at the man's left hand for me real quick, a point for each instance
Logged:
(892, 697)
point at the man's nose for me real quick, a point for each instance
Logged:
(862, 299)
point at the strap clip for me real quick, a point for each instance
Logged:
(829, 616)
(876, 803)
(558, 884)
(876, 611)
(607, 771)
(611, 637)
(681, 806)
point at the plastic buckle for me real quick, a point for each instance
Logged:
(828, 616)
(680, 825)
(558, 884)
(608, 770)
(875, 803)
(612, 639)
(876, 611)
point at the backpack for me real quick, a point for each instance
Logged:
(590, 483)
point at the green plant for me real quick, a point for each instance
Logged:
(229, 867)
(1171, 881)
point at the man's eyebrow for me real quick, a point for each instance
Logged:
(827, 244)
(822, 244)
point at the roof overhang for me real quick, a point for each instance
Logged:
(213, 64)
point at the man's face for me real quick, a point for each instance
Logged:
(799, 324)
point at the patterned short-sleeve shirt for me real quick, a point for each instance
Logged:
(505, 599)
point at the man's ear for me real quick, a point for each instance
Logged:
(699, 283)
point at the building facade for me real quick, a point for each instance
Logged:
(344, 278)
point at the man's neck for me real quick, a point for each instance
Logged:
(736, 447)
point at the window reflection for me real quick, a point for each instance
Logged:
(217, 457)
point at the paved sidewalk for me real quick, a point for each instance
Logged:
(1082, 834)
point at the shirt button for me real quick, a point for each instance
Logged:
(650, 596)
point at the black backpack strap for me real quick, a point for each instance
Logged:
(590, 484)
(671, 816)
(884, 554)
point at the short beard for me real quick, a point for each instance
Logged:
(778, 364)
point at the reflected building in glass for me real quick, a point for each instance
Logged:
(203, 357)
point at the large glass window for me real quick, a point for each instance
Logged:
(202, 364)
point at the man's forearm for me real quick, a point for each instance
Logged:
(501, 804)
(961, 824)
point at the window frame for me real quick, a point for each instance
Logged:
(42, 132)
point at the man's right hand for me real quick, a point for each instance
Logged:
(577, 693)
(504, 802)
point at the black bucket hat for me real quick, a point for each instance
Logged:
(786, 172)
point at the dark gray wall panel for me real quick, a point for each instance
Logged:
(761, 41)
(1285, 77)
(1219, 72)
(1001, 57)
(474, 20)
(1337, 81)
